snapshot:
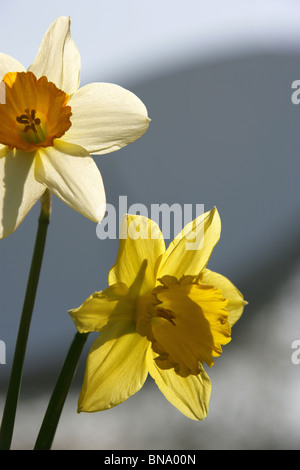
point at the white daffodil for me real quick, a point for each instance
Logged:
(49, 128)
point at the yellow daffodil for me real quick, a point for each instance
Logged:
(164, 313)
(49, 128)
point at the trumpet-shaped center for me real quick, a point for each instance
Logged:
(34, 112)
(186, 322)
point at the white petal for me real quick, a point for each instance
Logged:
(19, 190)
(58, 58)
(72, 175)
(105, 118)
(9, 64)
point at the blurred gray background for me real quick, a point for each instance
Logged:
(216, 79)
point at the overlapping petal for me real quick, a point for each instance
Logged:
(116, 369)
(58, 58)
(9, 64)
(112, 306)
(140, 240)
(235, 299)
(190, 395)
(18, 188)
(70, 173)
(189, 252)
(105, 118)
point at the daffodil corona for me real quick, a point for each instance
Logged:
(49, 128)
(164, 313)
(35, 112)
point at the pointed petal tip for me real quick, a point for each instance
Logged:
(214, 211)
(62, 18)
(101, 211)
(58, 57)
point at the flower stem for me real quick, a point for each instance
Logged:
(9, 413)
(52, 415)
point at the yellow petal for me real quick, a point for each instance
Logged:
(105, 118)
(235, 299)
(115, 370)
(190, 395)
(19, 190)
(113, 305)
(141, 247)
(202, 235)
(71, 174)
(4, 150)
(58, 58)
(9, 64)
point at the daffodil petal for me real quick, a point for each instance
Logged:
(112, 306)
(190, 395)
(141, 248)
(4, 150)
(190, 251)
(235, 299)
(9, 64)
(105, 118)
(71, 174)
(58, 58)
(18, 188)
(115, 370)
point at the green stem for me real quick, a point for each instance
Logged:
(9, 414)
(60, 392)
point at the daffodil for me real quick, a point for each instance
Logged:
(49, 129)
(164, 313)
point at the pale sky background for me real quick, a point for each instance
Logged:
(134, 38)
(216, 78)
